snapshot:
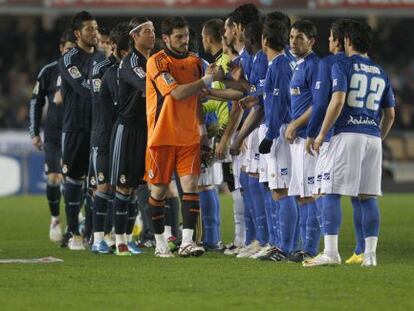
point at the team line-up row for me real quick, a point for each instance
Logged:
(289, 132)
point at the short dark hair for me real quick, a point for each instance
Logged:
(79, 18)
(171, 23)
(253, 33)
(307, 27)
(244, 15)
(120, 36)
(138, 20)
(214, 28)
(104, 31)
(276, 33)
(360, 35)
(67, 36)
(278, 16)
(338, 30)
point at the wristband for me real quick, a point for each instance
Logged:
(207, 79)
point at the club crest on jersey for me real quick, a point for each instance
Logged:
(96, 84)
(151, 174)
(101, 177)
(74, 72)
(140, 72)
(168, 78)
(262, 82)
(122, 179)
(295, 91)
(64, 169)
(36, 88)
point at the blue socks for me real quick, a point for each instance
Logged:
(359, 232)
(319, 206)
(248, 208)
(370, 217)
(332, 214)
(269, 209)
(296, 245)
(210, 212)
(217, 217)
(313, 231)
(275, 222)
(303, 218)
(288, 218)
(262, 234)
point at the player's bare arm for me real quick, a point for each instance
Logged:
(388, 116)
(183, 91)
(226, 94)
(248, 102)
(332, 113)
(290, 134)
(253, 120)
(236, 114)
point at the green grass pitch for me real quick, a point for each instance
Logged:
(85, 281)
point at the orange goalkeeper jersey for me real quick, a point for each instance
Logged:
(170, 121)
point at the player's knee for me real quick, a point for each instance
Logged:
(74, 181)
(364, 197)
(189, 183)
(204, 188)
(159, 192)
(105, 188)
(124, 190)
(172, 190)
(54, 179)
(279, 194)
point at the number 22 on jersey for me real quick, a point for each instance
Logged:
(360, 94)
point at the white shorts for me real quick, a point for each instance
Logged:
(302, 181)
(354, 165)
(252, 153)
(237, 163)
(279, 162)
(320, 167)
(211, 175)
(217, 173)
(263, 160)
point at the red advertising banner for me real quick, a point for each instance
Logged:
(375, 4)
(171, 3)
(17, 3)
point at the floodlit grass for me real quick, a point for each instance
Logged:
(85, 281)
